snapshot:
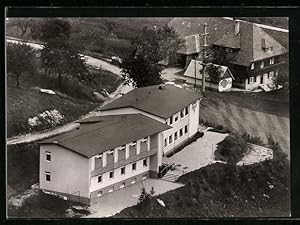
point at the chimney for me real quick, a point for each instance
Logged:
(236, 27)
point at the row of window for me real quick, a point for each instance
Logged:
(112, 188)
(173, 119)
(177, 134)
(123, 170)
(123, 147)
(269, 75)
(262, 64)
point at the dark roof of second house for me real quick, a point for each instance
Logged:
(104, 133)
(162, 102)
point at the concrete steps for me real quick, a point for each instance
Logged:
(170, 176)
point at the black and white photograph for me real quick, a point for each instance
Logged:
(147, 117)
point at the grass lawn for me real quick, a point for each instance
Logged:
(27, 101)
(259, 114)
(220, 190)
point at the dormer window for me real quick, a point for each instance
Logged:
(122, 147)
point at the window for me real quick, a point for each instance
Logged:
(251, 80)
(99, 194)
(111, 152)
(170, 139)
(144, 139)
(176, 135)
(271, 74)
(180, 132)
(171, 120)
(132, 144)
(48, 156)
(122, 185)
(144, 177)
(133, 166)
(111, 189)
(176, 118)
(123, 170)
(111, 174)
(48, 176)
(145, 162)
(271, 61)
(185, 129)
(252, 66)
(186, 110)
(276, 73)
(166, 142)
(122, 147)
(262, 64)
(99, 156)
(133, 181)
(182, 113)
(99, 179)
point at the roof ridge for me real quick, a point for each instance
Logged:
(91, 130)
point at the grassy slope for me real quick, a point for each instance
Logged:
(26, 101)
(259, 114)
(221, 190)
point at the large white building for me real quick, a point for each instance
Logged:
(122, 146)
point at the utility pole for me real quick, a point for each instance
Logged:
(203, 55)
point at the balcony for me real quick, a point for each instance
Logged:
(124, 162)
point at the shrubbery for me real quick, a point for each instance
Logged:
(232, 149)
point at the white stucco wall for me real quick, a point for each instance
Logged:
(69, 171)
(258, 82)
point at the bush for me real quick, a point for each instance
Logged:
(232, 149)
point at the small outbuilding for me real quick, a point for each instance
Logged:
(217, 77)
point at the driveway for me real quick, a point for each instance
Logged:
(198, 154)
(113, 203)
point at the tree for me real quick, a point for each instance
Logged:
(21, 23)
(21, 59)
(151, 46)
(59, 57)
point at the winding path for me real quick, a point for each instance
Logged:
(122, 89)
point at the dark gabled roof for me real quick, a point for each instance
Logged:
(160, 102)
(221, 32)
(229, 41)
(103, 133)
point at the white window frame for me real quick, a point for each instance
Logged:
(123, 147)
(112, 175)
(145, 160)
(181, 129)
(111, 152)
(132, 144)
(99, 156)
(99, 194)
(252, 66)
(48, 154)
(251, 80)
(170, 139)
(98, 179)
(272, 60)
(133, 169)
(186, 128)
(144, 139)
(47, 173)
(111, 189)
(124, 170)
